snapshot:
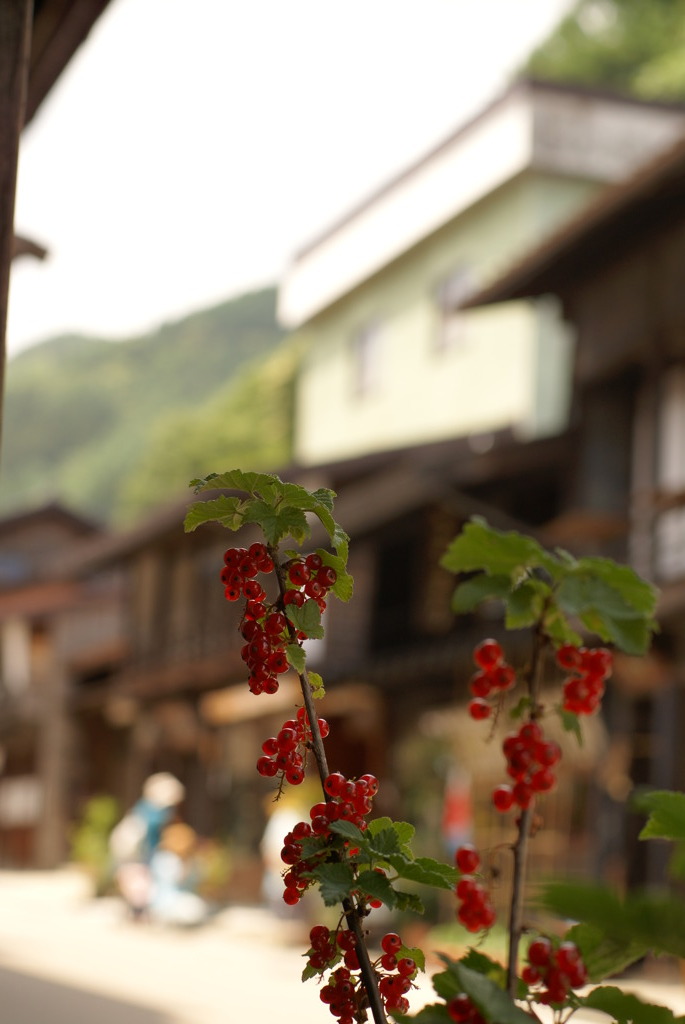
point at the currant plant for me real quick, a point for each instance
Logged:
(361, 863)
(356, 863)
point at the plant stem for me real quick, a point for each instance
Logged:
(366, 970)
(520, 847)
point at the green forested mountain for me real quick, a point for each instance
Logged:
(632, 46)
(110, 428)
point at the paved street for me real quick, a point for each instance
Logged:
(68, 959)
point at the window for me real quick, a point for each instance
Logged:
(451, 292)
(670, 529)
(366, 360)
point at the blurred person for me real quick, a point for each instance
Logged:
(174, 877)
(135, 839)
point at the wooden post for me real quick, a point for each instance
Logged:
(16, 19)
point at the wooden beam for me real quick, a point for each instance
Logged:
(16, 18)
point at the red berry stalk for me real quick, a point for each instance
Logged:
(302, 576)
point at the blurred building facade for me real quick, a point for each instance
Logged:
(377, 299)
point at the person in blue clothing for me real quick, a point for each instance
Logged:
(135, 840)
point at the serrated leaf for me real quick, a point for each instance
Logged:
(296, 657)
(493, 1002)
(603, 955)
(408, 901)
(277, 523)
(348, 830)
(307, 619)
(237, 479)
(225, 510)
(404, 830)
(558, 628)
(426, 871)
(651, 919)
(479, 547)
(635, 592)
(606, 610)
(625, 1008)
(525, 603)
(385, 843)
(336, 882)
(373, 883)
(666, 811)
(469, 594)
(475, 960)
(316, 684)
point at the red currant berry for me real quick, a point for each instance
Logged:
(479, 709)
(540, 952)
(467, 859)
(503, 798)
(391, 942)
(488, 654)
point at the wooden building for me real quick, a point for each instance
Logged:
(619, 271)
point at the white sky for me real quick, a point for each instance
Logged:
(193, 145)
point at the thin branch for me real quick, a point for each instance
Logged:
(520, 847)
(352, 915)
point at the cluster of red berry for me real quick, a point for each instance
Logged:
(286, 752)
(494, 676)
(557, 970)
(589, 670)
(343, 993)
(265, 628)
(461, 1009)
(311, 579)
(349, 800)
(530, 759)
(241, 565)
(475, 911)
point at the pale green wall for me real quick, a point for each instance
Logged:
(510, 367)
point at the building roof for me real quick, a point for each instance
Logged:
(59, 28)
(566, 130)
(620, 216)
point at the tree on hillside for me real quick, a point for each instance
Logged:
(633, 46)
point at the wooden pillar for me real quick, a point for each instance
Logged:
(16, 19)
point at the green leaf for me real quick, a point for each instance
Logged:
(373, 883)
(383, 844)
(414, 953)
(650, 919)
(316, 684)
(277, 523)
(469, 594)
(349, 831)
(405, 832)
(426, 871)
(589, 593)
(666, 814)
(236, 479)
(296, 657)
(344, 585)
(492, 1001)
(336, 882)
(475, 960)
(604, 955)
(229, 512)
(525, 603)
(408, 901)
(637, 593)
(307, 619)
(571, 723)
(558, 628)
(480, 547)
(625, 1008)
